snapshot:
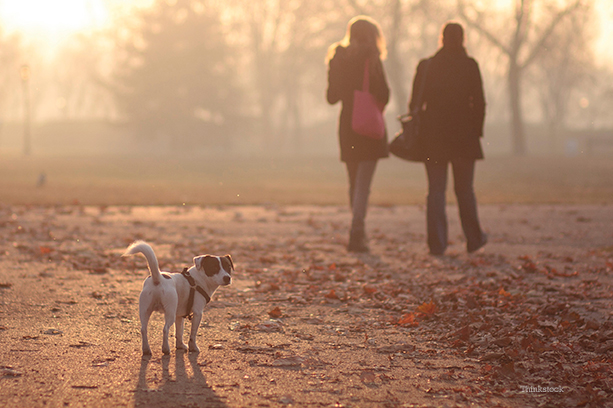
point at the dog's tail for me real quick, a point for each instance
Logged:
(141, 247)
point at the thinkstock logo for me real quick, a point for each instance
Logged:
(538, 389)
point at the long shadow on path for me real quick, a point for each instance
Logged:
(157, 388)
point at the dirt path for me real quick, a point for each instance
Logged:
(305, 323)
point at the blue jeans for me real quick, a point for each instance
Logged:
(360, 178)
(463, 177)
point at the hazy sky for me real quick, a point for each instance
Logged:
(57, 19)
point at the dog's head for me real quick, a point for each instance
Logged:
(217, 268)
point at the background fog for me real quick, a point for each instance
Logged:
(248, 76)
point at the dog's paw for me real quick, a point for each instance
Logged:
(182, 346)
(193, 348)
(146, 352)
(166, 350)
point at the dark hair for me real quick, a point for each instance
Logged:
(453, 36)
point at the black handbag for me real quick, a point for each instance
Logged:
(409, 141)
(408, 144)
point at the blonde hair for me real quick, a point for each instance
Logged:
(361, 31)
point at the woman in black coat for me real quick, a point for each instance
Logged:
(346, 66)
(453, 112)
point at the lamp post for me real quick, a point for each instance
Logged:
(25, 79)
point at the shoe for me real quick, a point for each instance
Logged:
(357, 242)
(479, 246)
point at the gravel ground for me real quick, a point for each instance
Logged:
(305, 323)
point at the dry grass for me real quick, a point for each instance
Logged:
(227, 180)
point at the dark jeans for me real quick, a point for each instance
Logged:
(360, 178)
(463, 176)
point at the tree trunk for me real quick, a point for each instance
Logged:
(394, 64)
(518, 135)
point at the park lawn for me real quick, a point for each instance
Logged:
(104, 180)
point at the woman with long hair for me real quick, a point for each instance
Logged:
(452, 112)
(346, 60)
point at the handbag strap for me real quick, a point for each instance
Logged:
(422, 86)
(366, 80)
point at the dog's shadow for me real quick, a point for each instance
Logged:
(157, 388)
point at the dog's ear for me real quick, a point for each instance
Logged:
(198, 262)
(226, 262)
(207, 263)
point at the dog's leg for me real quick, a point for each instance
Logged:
(144, 315)
(170, 312)
(168, 322)
(194, 331)
(179, 333)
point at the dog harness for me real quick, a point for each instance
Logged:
(192, 290)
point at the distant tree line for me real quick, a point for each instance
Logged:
(187, 73)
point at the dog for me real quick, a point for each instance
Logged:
(179, 295)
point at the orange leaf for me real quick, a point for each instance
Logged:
(275, 313)
(427, 308)
(504, 293)
(464, 333)
(45, 250)
(369, 289)
(331, 295)
(408, 320)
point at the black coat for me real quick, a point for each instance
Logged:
(454, 106)
(346, 74)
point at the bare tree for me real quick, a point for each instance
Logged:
(285, 44)
(176, 79)
(10, 58)
(76, 75)
(530, 28)
(413, 34)
(566, 66)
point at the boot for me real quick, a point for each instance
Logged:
(357, 242)
(480, 245)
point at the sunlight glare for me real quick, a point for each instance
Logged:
(52, 16)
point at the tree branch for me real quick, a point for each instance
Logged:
(482, 30)
(547, 33)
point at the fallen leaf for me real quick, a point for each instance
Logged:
(9, 372)
(331, 295)
(492, 356)
(369, 289)
(288, 362)
(275, 313)
(269, 326)
(81, 344)
(286, 400)
(464, 333)
(408, 320)
(504, 293)
(427, 308)
(503, 342)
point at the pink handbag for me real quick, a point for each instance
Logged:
(367, 118)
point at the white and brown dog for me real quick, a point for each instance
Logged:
(179, 295)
